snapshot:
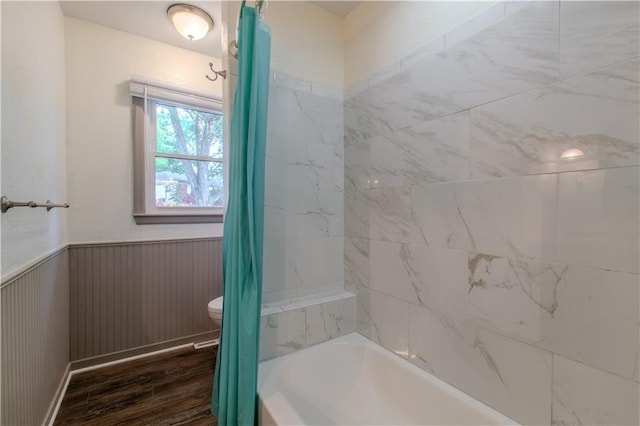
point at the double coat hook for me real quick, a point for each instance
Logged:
(222, 73)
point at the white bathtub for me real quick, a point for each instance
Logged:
(353, 381)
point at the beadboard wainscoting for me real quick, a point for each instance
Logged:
(128, 295)
(35, 337)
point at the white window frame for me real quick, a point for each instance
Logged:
(145, 95)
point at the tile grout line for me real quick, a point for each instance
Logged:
(496, 178)
(540, 86)
(515, 339)
(553, 360)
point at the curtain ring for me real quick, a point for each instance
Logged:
(233, 49)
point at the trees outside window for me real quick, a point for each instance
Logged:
(178, 154)
(188, 159)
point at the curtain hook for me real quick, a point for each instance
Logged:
(262, 6)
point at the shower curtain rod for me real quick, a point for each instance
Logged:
(261, 6)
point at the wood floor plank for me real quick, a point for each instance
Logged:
(173, 388)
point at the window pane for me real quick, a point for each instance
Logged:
(188, 131)
(186, 183)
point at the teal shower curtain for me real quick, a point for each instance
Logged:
(234, 388)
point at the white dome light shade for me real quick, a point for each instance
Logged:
(191, 22)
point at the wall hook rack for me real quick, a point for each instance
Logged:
(222, 73)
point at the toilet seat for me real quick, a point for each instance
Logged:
(215, 308)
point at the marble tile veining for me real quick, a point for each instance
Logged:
(431, 47)
(357, 172)
(585, 396)
(513, 6)
(377, 110)
(281, 333)
(302, 213)
(389, 214)
(329, 320)
(486, 19)
(356, 214)
(294, 324)
(304, 189)
(569, 310)
(394, 271)
(598, 219)
(382, 319)
(296, 164)
(516, 54)
(356, 260)
(476, 251)
(595, 34)
(282, 79)
(434, 151)
(299, 263)
(302, 116)
(597, 113)
(514, 293)
(420, 275)
(513, 217)
(481, 69)
(512, 377)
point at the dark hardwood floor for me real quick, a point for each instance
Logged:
(173, 388)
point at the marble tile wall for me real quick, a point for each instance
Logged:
(304, 218)
(288, 327)
(474, 250)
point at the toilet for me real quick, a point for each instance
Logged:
(215, 311)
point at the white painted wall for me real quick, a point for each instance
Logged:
(33, 130)
(378, 33)
(307, 42)
(100, 61)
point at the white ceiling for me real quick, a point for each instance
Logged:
(149, 19)
(338, 8)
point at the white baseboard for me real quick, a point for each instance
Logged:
(131, 358)
(52, 412)
(206, 344)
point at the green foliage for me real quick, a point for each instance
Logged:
(190, 132)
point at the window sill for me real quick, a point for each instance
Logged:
(157, 219)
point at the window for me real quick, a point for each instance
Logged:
(178, 155)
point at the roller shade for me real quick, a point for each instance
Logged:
(166, 92)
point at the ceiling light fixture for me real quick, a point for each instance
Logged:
(191, 22)
(572, 154)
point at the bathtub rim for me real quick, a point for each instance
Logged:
(289, 416)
